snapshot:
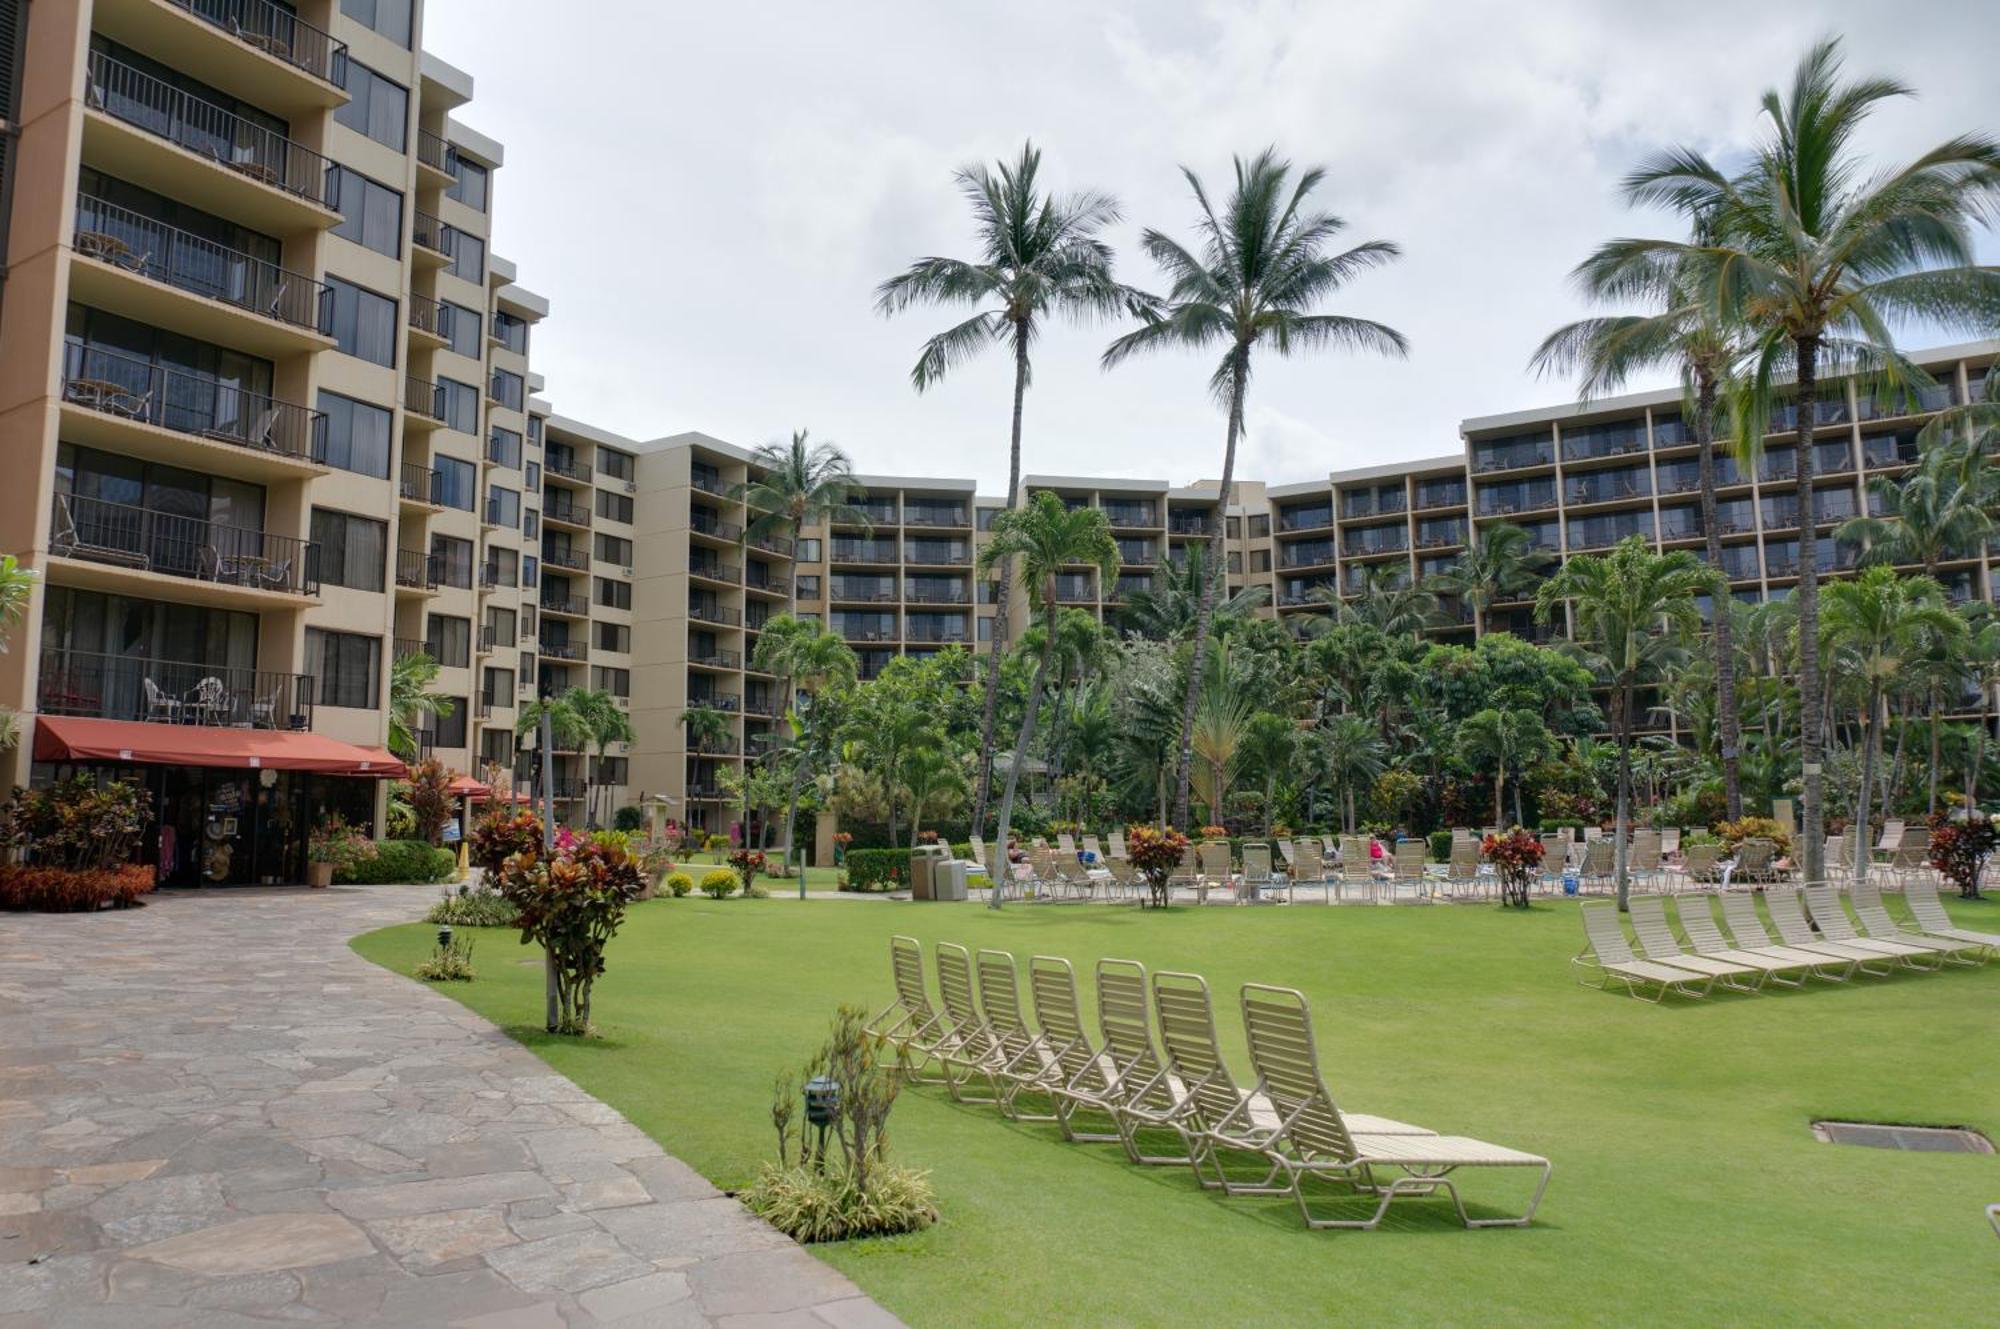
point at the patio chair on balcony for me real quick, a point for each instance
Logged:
(160, 706)
(264, 710)
(71, 541)
(208, 702)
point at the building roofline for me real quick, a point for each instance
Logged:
(692, 438)
(488, 150)
(1451, 461)
(591, 433)
(523, 299)
(951, 484)
(449, 78)
(1094, 482)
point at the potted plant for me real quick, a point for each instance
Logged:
(334, 847)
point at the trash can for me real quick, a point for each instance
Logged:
(924, 860)
(948, 879)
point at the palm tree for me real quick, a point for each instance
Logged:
(1262, 268)
(1220, 721)
(795, 485)
(930, 769)
(1268, 747)
(1046, 537)
(706, 727)
(1388, 601)
(1041, 256)
(1875, 624)
(1498, 561)
(1353, 754)
(1941, 510)
(604, 723)
(411, 701)
(1632, 609)
(566, 726)
(1818, 258)
(1500, 739)
(1168, 609)
(813, 659)
(16, 585)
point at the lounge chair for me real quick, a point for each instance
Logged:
(1313, 1141)
(910, 1024)
(1407, 866)
(1670, 842)
(1928, 910)
(1066, 844)
(1913, 855)
(1836, 964)
(1093, 851)
(1611, 955)
(1215, 873)
(1790, 919)
(1288, 851)
(969, 1050)
(1892, 838)
(1213, 1113)
(1656, 939)
(1257, 875)
(1076, 1075)
(1823, 903)
(1187, 876)
(1357, 866)
(1700, 864)
(1125, 880)
(1755, 862)
(1598, 868)
(1643, 858)
(1706, 939)
(1140, 1095)
(1877, 925)
(1462, 874)
(1309, 866)
(1118, 844)
(1019, 1050)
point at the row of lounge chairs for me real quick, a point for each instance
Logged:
(1173, 1102)
(1816, 939)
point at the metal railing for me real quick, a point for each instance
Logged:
(879, 629)
(755, 617)
(919, 515)
(276, 31)
(423, 397)
(428, 315)
(729, 703)
(770, 585)
(1513, 458)
(202, 127)
(128, 687)
(1450, 496)
(1306, 554)
(1075, 590)
(715, 571)
(575, 514)
(704, 524)
(865, 551)
(565, 650)
(137, 389)
(409, 646)
(717, 659)
(573, 560)
(434, 152)
(428, 231)
(715, 614)
(151, 248)
(1182, 524)
(151, 541)
(860, 592)
(417, 483)
(1305, 519)
(774, 544)
(917, 593)
(573, 605)
(915, 629)
(707, 484)
(1125, 518)
(927, 553)
(416, 570)
(567, 470)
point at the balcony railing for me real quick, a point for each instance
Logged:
(127, 687)
(715, 571)
(165, 542)
(202, 127)
(431, 232)
(136, 389)
(573, 513)
(1307, 554)
(769, 585)
(418, 484)
(773, 544)
(434, 152)
(1512, 458)
(151, 248)
(861, 592)
(864, 551)
(1075, 590)
(1181, 523)
(428, 315)
(573, 560)
(1440, 496)
(416, 570)
(565, 650)
(1305, 519)
(567, 470)
(915, 515)
(1125, 517)
(918, 630)
(916, 593)
(714, 527)
(276, 31)
(708, 613)
(764, 706)
(706, 483)
(883, 629)
(423, 397)
(409, 646)
(726, 702)
(927, 553)
(717, 659)
(573, 605)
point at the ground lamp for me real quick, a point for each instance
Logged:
(822, 1106)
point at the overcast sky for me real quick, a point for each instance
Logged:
(708, 194)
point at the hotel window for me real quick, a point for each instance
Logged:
(462, 326)
(371, 213)
(1260, 526)
(357, 435)
(451, 729)
(497, 745)
(616, 507)
(364, 323)
(502, 624)
(617, 682)
(809, 587)
(503, 448)
(614, 637)
(448, 640)
(376, 106)
(611, 770)
(503, 506)
(509, 389)
(985, 627)
(611, 549)
(531, 523)
(470, 186)
(468, 257)
(454, 559)
(460, 404)
(532, 472)
(986, 516)
(530, 571)
(353, 551)
(348, 666)
(511, 331)
(498, 685)
(391, 18)
(505, 565)
(617, 465)
(614, 594)
(456, 483)
(808, 551)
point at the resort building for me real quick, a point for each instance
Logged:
(264, 404)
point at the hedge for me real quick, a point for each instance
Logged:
(72, 890)
(869, 869)
(402, 861)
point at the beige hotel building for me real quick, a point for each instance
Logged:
(269, 417)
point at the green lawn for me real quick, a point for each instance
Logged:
(1687, 1185)
(817, 879)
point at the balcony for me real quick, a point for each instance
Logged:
(1188, 523)
(773, 544)
(949, 594)
(766, 707)
(776, 586)
(566, 469)
(1305, 519)
(848, 590)
(423, 403)
(432, 240)
(1368, 544)
(127, 687)
(1306, 554)
(714, 570)
(1128, 516)
(709, 613)
(702, 523)
(875, 512)
(1440, 494)
(222, 164)
(865, 551)
(148, 270)
(1606, 487)
(726, 702)
(572, 560)
(568, 606)
(707, 483)
(916, 629)
(1487, 459)
(274, 57)
(416, 570)
(435, 154)
(716, 659)
(1075, 590)
(936, 553)
(561, 513)
(416, 486)
(565, 650)
(233, 565)
(118, 396)
(869, 629)
(429, 321)
(921, 514)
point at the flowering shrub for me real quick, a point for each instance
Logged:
(72, 890)
(748, 863)
(1208, 833)
(1155, 854)
(572, 903)
(431, 800)
(1960, 848)
(1517, 857)
(1732, 834)
(679, 884)
(334, 841)
(75, 823)
(715, 844)
(719, 884)
(502, 833)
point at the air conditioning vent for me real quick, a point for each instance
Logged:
(626, 571)
(631, 486)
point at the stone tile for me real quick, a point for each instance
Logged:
(765, 1281)
(18, 1203)
(424, 1241)
(572, 1262)
(114, 1174)
(698, 1228)
(612, 1193)
(259, 1245)
(539, 1316)
(635, 1296)
(427, 1197)
(856, 1313)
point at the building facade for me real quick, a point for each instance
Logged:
(264, 402)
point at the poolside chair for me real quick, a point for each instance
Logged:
(1309, 866)
(1823, 904)
(1790, 919)
(1079, 883)
(1187, 876)
(1739, 910)
(1892, 838)
(1928, 910)
(1017, 1049)
(1670, 842)
(1313, 1141)
(1125, 880)
(909, 1024)
(1406, 865)
(1329, 847)
(1093, 851)
(1212, 1113)
(1141, 1096)
(1913, 855)
(970, 1051)
(1215, 871)
(1705, 939)
(1643, 858)
(1257, 875)
(1877, 925)
(1076, 1075)
(1755, 862)
(1462, 874)
(1289, 851)
(1118, 844)
(1066, 844)
(1598, 866)
(1656, 939)
(1700, 864)
(1611, 955)
(1357, 869)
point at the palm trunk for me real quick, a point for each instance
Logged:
(1812, 731)
(1867, 795)
(1347, 796)
(785, 695)
(997, 649)
(1218, 569)
(1727, 720)
(792, 811)
(1022, 739)
(1892, 774)
(1621, 823)
(1519, 819)
(1500, 795)
(1937, 759)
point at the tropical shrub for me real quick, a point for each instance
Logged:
(1732, 834)
(334, 841)
(715, 844)
(628, 818)
(474, 909)
(1960, 848)
(431, 800)
(878, 869)
(451, 962)
(1211, 833)
(397, 862)
(502, 833)
(572, 903)
(56, 890)
(76, 823)
(1154, 854)
(1396, 794)
(748, 863)
(678, 884)
(1440, 842)
(719, 884)
(1517, 857)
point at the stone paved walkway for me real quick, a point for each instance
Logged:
(213, 1114)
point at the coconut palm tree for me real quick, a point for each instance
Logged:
(931, 769)
(795, 485)
(706, 727)
(1819, 257)
(1041, 256)
(814, 660)
(1941, 510)
(411, 701)
(604, 723)
(1388, 601)
(1633, 611)
(1268, 747)
(1353, 754)
(566, 727)
(1500, 739)
(1168, 609)
(1499, 560)
(1874, 625)
(1046, 537)
(1264, 265)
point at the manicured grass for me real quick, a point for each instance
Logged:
(1687, 1185)
(817, 879)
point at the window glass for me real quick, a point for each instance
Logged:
(503, 506)
(498, 685)
(470, 186)
(349, 667)
(611, 462)
(530, 571)
(375, 106)
(468, 257)
(503, 448)
(504, 564)
(371, 213)
(511, 331)
(451, 729)
(533, 473)
(618, 682)
(614, 594)
(502, 623)
(449, 640)
(364, 323)
(459, 403)
(456, 485)
(808, 550)
(454, 557)
(509, 389)
(614, 637)
(353, 551)
(391, 18)
(613, 549)
(357, 435)
(531, 523)
(462, 326)
(618, 507)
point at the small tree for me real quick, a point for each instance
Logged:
(431, 799)
(572, 903)
(1960, 848)
(1155, 854)
(502, 833)
(76, 823)
(1517, 857)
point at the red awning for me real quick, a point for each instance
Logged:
(464, 786)
(69, 738)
